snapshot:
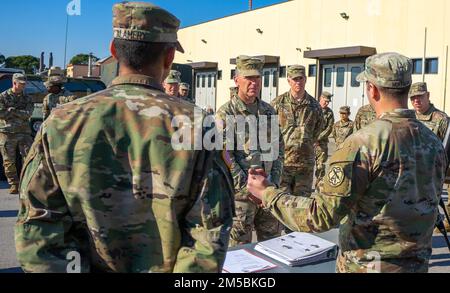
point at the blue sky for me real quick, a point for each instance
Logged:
(28, 27)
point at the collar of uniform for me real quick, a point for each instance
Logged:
(138, 79)
(240, 105)
(345, 123)
(11, 93)
(399, 113)
(428, 114)
(305, 101)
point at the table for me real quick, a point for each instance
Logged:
(323, 267)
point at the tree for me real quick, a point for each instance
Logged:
(2, 58)
(27, 63)
(82, 59)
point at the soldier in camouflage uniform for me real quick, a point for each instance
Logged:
(247, 104)
(58, 95)
(344, 127)
(301, 122)
(184, 92)
(172, 83)
(366, 115)
(104, 181)
(436, 120)
(233, 91)
(15, 133)
(385, 181)
(321, 146)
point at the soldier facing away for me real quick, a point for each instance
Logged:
(385, 181)
(436, 120)
(321, 146)
(16, 108)
(344, 127)
(301, 122)
(247, 104)
(103, 180)
(58, 95)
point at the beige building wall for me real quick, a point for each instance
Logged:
(387, 25)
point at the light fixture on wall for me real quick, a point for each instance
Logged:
(345, 15)
(190, 61)
(308, 48)
(204, 41)
(298, 49)
(259, 31)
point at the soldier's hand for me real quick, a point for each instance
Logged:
(256, 184)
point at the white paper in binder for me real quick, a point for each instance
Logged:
(298, 248)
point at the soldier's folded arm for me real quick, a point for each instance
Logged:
(43, 229)
(346, 179)
(327, 131)
(278, 163)
(206, 226)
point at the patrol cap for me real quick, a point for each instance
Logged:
(327, 96)
(344, 110)
(173, 77)
(418, 89)
(55, 70)
(249, 66)
(20, 78)
(185, 86)
(145, 22)
(295, 71)
(389, 70)
(55, 80)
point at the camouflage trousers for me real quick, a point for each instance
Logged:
(9, 143)
(248, 217)
(321, 151)
(298, 180)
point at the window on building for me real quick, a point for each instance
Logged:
(233, 73)
(431, 65)
(417, 66)
(340, 77)
(275, 79)
(203, 81)
(283, 71)
(266, 78)
(198, 81)
(209, 81)
(219, 75)
(327, 77)
(312, 70)
(354, 73)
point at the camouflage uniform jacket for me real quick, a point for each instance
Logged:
(51, 101)
(240, 158)
(435, 120)
(342, 130)
(386, 181)
(301, 123)
(328, 126)
(103, 179)
(366, 114)
(17, 120)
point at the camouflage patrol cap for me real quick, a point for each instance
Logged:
(327, 96)
(418, 89)
(173, 77)
(249, 66)
(344, 110)
(389, 70)
(55, 80)
(145, 22)
(295, 71)
(185, 86)
(19, 77)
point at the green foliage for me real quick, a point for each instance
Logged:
(82, 59)
(26, 62)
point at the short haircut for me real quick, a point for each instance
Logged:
(136, 54)
(398, 93)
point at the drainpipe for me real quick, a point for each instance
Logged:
(424, 55)
(445, 79)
